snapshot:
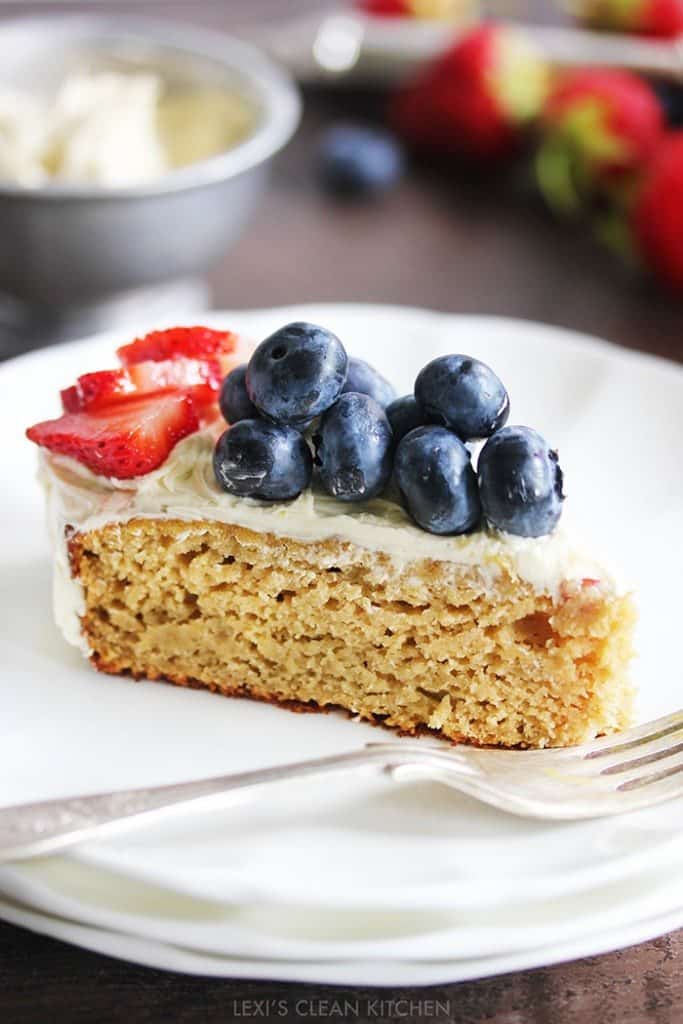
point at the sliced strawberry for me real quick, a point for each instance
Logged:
(95, 390)
(200, 380)
(178, 342)
(123, 440)
(171, 373)
(71, 400)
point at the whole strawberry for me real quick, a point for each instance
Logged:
(599, 128)
(657, 215)
(477, 98)
(662, 18)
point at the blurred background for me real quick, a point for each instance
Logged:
(430, 223)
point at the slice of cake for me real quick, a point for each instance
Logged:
(335, 547)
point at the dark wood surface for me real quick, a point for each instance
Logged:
(454, 243)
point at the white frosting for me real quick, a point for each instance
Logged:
(98, 128)
(185, 488)
(114, 129)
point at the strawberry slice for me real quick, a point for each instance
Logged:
(70, 397)
(172, 373)
(201, 380)
(178, 342)
(123, 440)
(95, 390)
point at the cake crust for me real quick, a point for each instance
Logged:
(425, 646)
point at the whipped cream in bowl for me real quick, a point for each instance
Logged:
(132, 154)
(114, 129)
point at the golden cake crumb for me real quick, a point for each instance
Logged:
(329, 624)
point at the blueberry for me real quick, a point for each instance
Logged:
(358, 161)
(520, 482)
(257, 459)
(296, 373)
(463, 394)
(366, 380)
(670, 96)
(437, 482)
(234, 400)
(354, 448)
(404, 415)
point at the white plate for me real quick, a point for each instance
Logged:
(361, 843)
(394, 48)
(111, 901)
(376, 973)
(365, 49)
(617, 418)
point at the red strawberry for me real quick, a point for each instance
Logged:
(600, 127)
(476, 98)
(178, 342)
(657, 216)
(200, 380)
(71, 400)
(385, 8)
(416, 8)
(94, 390)
(663, 18)
(124, 440)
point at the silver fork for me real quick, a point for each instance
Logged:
(627, 772)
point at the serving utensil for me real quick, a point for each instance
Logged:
(615, 775)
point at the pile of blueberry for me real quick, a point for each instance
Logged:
(300, 383)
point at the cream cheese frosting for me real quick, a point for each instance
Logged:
(114, 129)
(98, 128)
(184, 487)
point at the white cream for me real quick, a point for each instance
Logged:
(185, 488)
(99, 128)
(114, 129)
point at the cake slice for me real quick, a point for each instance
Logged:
(206, 572)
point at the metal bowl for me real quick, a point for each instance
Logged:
(66, 249)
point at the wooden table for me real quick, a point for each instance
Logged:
(443, 241)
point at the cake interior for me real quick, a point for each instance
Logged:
(427, 646)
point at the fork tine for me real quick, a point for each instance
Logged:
(638, 774)
(659, 728)
(652, 754)
(639, 794)
(671, 775)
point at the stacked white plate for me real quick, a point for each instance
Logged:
(360, 879)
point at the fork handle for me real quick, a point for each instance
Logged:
(30, 830)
